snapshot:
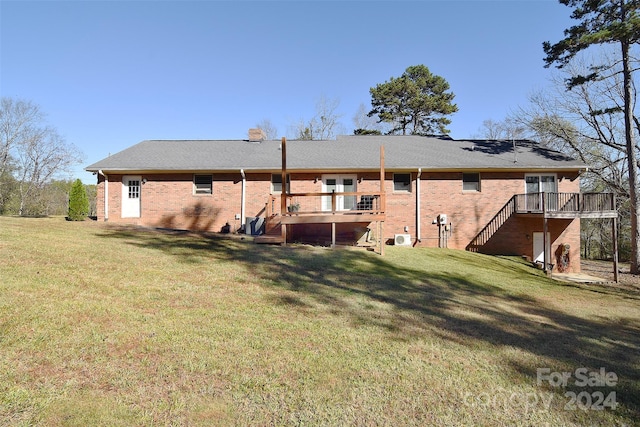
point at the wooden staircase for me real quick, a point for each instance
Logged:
(493, 226)
(272, 232)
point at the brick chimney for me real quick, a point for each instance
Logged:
(256, 135)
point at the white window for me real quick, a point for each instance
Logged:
(540, 184)
(134, 189)
(402, 182)
(471, 182)
(203, 184)
(276, 183)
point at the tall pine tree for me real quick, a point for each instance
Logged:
(418, 102)
(606, 22)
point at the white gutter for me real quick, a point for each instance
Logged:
(418, 218)
(243, 198)
(106, 195)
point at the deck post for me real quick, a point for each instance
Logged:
(333, 234)
(383, 200)
(283, 192)
(545, 243)
(614, 235)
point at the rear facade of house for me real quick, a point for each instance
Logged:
(494, 197)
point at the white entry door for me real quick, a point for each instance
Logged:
(339, 184)
(538, 246)
(131, 196)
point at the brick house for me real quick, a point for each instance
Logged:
(496, 197)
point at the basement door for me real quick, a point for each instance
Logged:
(339, 184)
(131, 196)
(538, 246)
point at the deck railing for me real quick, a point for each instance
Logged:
(560, 205)
(569, 203)
(326, 203)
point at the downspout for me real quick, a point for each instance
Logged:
(418, 198)
(243, 198)
(106, 195)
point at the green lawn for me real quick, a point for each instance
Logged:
(104, 325)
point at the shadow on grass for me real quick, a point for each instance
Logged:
(450, 305)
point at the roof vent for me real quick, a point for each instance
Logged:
(256, 135)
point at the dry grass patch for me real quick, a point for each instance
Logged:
(102, 325)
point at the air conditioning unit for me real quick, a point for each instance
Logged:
(402, 240)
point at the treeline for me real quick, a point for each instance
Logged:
(32, 156)
(51, 198)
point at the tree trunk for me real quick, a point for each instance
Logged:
(631, 159)
(22, 199)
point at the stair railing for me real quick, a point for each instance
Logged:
(493, 225)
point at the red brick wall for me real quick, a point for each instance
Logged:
(469, 212)
(167, 200)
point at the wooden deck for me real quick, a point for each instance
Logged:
(320, 208)
(273, 239)
(551, 206)
(566, 205)
(548, 206)
(334, 217)
(326, 208)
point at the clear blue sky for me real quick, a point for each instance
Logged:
(110, 74)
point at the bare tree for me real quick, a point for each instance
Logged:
(32, 152)
(302, 129)
(511, 128)
(17, 119)
(490, 129)
(270, 131)
(365, 124)
(327, 118)
(324, 125)
(585, 122)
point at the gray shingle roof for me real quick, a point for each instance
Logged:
(345, 153)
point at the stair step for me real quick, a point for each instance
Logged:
(269, 239)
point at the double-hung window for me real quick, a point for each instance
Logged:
(402, 182)
(202, 184)
(471, 182)
(276, 183)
